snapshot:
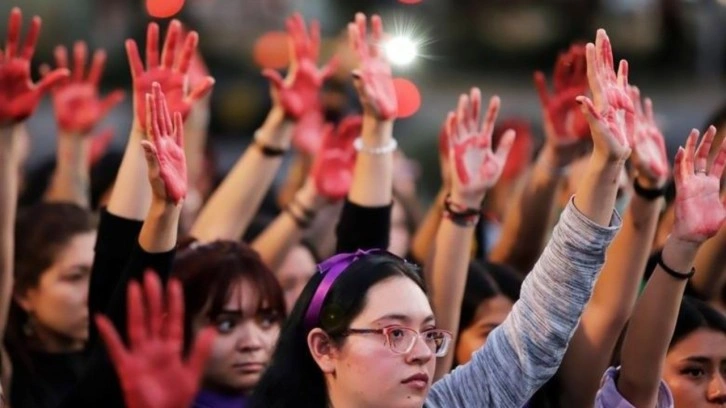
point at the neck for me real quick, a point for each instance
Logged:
(47, 340)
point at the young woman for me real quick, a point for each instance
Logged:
(648, 355)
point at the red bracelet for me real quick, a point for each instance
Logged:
(462, 220)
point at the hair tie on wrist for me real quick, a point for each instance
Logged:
(647, 193)
(267, 150)
(674, 273)
(390, 147)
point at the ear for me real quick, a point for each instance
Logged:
(322, 350)
(25, 300)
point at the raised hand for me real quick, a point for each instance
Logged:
(19, 96)
(99, 146)
(649, 152)
(76, 101)
(475, 167)
(611, 116)
(309, 130)
(171, 72)
(332, 170)
(699, 210)
(299, 92)
(563, 119)
(373, 79)
(151, 370)
(164, 149)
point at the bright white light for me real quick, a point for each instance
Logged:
(401, 50)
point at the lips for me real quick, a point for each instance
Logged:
(249, 367)
(420, 380)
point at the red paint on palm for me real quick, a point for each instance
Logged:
(333, 167)
(152, 370)
(476, 167)
(699, 211)
(521, 154)
(308, 134)
(19, 96)
(561, 108)
(374, 80)
(99, 145)
(171, 72)
(167, 146)
(76, 101)
(649, 150)
(300, 91)
(612, 103)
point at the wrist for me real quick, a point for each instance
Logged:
(162, 208)
(679, 254)
(375, 131)
(466, 201)
(309, 198)
(650, 183)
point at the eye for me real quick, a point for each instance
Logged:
(694, 372)
(268, 318)
(225, 325)
(396, 333)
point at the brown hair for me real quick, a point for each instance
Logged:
(208, 273)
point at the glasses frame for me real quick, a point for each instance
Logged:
(386, 331)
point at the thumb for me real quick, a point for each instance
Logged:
(274, 77)
(152, 157)
(588, 109)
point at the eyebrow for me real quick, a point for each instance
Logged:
(403, 318)
(698, 359)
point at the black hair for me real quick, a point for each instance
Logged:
(293, 378)
(696, 314)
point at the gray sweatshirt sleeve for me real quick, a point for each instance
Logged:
(526, 350)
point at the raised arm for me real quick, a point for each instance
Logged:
(527, 224)
(328, 182)
(526, 350)
(613, 298)
(475, 168)
(233, 205)
(78, 109)
(19, 97)
(699, 215)
(710, 263)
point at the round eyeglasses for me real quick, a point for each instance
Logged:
(401, 339)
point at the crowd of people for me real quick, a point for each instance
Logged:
(134, 281)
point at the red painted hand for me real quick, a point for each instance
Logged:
(299, 92)
(165, 149)
(171, 73)
(563, 120)
(308, 133)
(373, 79)
(151, 371)
(333, 167)
(649, 151)
(698, 207)
(77, 105)
(611, 116)
(476, 167)
(18, 95)
(99, 146)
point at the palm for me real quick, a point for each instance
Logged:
(612, 109)
(333, 167)
(172, 83)
(476, 167)
(375, 87)
(77, 106)
(18, 99)
(699, 212)
(172, 167)
(649, 152)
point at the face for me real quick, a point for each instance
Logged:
(400, 237)
(244, 344)
(366, 371)
(59, 303)
(489, 315)
(695, 370)
(294, 273)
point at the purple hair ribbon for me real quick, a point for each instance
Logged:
(331, 268)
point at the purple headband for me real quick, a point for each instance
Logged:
(331, 268)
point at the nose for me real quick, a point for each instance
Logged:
(250, 337)
(717, 389)
(420, 353)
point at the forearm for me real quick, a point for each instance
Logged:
(710, 263)
(159, 232)
(450, 267)
(651, 327)
(131, 195)
(8, 202)
(423, 242)
(71, 180)
(373, 173)
(233, 205)
(296, 175)
(614, 295)
(595, 197)
(528, 222)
